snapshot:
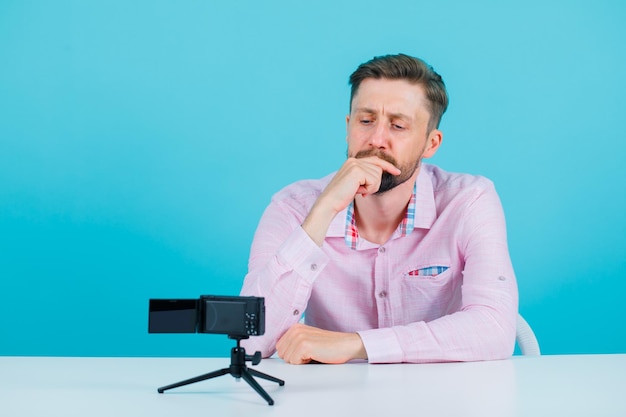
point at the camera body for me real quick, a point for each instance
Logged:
(239, 317)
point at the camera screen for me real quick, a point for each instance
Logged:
(173, 316)
(225, 317)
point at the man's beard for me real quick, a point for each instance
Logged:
(387, 180)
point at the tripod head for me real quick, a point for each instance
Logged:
(238, 354)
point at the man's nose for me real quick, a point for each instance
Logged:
(380, 137)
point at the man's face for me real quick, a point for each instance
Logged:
(389, 119)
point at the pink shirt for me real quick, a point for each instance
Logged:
(468, 312)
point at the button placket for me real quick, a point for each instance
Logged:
(382, 283)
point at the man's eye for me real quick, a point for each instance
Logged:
(366, 121)
(399, 127)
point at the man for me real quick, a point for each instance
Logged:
(390, 259)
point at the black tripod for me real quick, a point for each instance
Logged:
(237, 369)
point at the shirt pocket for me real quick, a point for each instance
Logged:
(428, 291)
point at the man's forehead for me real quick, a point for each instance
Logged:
(395, 96)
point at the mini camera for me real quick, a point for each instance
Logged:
(231, 315)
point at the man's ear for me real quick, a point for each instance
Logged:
(432, 143)
(347, 123)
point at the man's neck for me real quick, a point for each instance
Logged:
(378, 216)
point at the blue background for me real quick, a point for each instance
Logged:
(140, 142)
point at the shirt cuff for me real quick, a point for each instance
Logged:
(303, 255)
(382, 346)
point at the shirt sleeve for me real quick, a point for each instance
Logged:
(284, 263)
(484, 327)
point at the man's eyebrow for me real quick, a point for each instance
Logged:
(401, 116)
(364, 110)
(398, 115)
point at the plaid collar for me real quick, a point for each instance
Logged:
(351, 235)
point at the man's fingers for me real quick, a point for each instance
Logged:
(373, 169)
(356, 176)
(290, 347)
(382, 164)
(304, 344)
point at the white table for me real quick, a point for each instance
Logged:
(576, 385)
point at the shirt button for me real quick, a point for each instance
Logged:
(502, 278)
(296, 312)
(382, 294)
(381, 249)
(313, 267)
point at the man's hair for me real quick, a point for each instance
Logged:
(411, 69)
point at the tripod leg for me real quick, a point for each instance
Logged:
(252, 382)
(210, 375)
(266, 376)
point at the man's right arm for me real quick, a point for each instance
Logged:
(286, 255)
(284, 262)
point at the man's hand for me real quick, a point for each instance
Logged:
(356, 176)
(303, 344)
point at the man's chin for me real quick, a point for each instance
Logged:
(388, 182)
